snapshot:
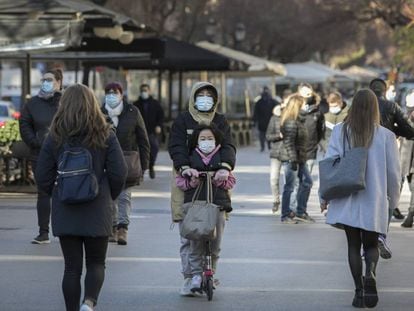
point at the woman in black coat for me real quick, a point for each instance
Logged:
(35, 119)
(79, 122)
(132, 135)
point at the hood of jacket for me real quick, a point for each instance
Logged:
(277, 111)
(201, 117)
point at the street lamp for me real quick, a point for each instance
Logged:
(211, 29)
(239, 34)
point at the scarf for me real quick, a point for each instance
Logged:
(206, 158)
(46, 95)
(114, 113)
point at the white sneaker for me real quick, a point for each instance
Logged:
(186, 289)
(85, 307)
(196, 283)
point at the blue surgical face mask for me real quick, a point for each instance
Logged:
(112, 100)
(204, 103)
(206, 146)
(47, 86)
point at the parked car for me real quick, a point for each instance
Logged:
(7, 112)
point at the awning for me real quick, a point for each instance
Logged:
(361, 73)
(312, 72)
(244, 61)
(33, 25)
(165, 54)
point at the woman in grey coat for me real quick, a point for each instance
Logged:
(364, 214)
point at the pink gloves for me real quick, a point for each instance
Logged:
(189, 172)
(221, 175)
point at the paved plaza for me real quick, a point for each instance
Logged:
(265, 265)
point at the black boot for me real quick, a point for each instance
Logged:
(408, 222)
(370, 286)
(358, 301)
(397, 214)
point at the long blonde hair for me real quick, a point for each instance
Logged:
(79, 115)
(363, 118)
(293, 106)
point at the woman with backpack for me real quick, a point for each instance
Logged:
(79, 128)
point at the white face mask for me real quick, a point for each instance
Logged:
(409, 100)
(144, 95)
(204, 103)
(206, 146)
(335, 109)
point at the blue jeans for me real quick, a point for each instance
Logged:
(305, 185)
(122, 209)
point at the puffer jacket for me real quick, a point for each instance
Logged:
(221, 197)
(273, 134)
(315, 124)
(295, 140)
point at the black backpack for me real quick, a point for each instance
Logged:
(76, 181)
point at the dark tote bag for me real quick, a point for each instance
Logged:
(133, 162)
(340, 177)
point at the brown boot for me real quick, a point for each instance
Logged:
(122, 236)
(114, 237)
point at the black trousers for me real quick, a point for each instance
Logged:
(95, 255)
(154, 148)
(43, 207)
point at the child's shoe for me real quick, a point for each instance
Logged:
(196, 283)
(186, 289)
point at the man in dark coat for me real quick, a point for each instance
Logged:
(153, 116)
(36, 116)
(393, 118)
(263, 111)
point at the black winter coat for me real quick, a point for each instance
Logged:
(273, 135)
(36, 116)
(295, 141)
(131, 133)
(181, 131)
(393, 118)
(92, 219)
(315, 124)
(151, 112)
(263, 111)
(221, 197)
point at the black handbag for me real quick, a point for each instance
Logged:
(342, 176)
(133, 162)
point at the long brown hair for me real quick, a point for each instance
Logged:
(363, 118)
(293, 106)
(79, 115)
